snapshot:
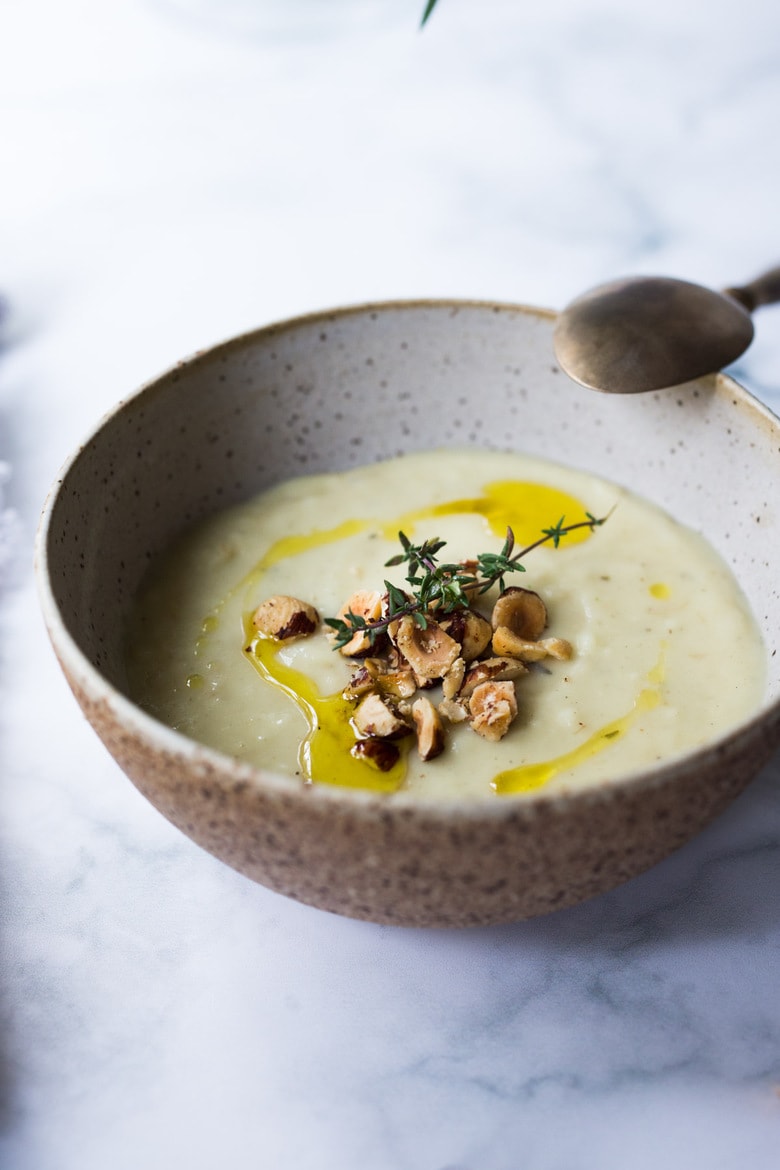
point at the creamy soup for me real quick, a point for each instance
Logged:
(665, 652)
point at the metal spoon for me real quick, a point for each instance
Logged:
(650, 332)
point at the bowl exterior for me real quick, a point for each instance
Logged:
(426, 866)
(339, 389)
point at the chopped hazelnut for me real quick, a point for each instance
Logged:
(490, 670)
(452, 710)
(492, 707)
(374, 717)
(451, 683)
(284, 618)
(505, 641)
(558, 648)
(382, 753)
(399, 682)
(522, 611)
(360, 684)
(471, 630)
(430, 652)
(430, 733)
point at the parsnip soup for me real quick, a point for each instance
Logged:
(645, 648)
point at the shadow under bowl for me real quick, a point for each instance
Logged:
(337, 389)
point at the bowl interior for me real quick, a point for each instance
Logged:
(338, 389)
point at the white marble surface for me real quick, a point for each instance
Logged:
(175, 171)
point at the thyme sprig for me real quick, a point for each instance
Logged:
(429, 7)
(445, 587)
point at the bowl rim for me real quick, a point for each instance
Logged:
(763, 723)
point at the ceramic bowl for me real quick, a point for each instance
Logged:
(341, 388)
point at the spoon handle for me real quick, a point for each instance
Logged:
(764, 290)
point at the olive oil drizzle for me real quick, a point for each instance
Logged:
(527, 777)
(526, 506)
(324, 752)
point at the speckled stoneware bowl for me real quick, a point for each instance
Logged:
(346, 387)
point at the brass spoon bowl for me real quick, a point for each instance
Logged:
(650, 332)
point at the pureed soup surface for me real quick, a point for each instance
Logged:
(666, 654)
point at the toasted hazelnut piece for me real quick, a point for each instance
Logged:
(476, 637)
(558, 648)
(430, 652)
(366, 603)
(393, 658)
(452, 710)
(284, 618)
(522, 611)
(399, 682)
(507, 642)
(451, 683)
(360, 684)
(373, 717)
(490, 670)
(382, 753)
(430, 732)
(471, 630)
(493, 706)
